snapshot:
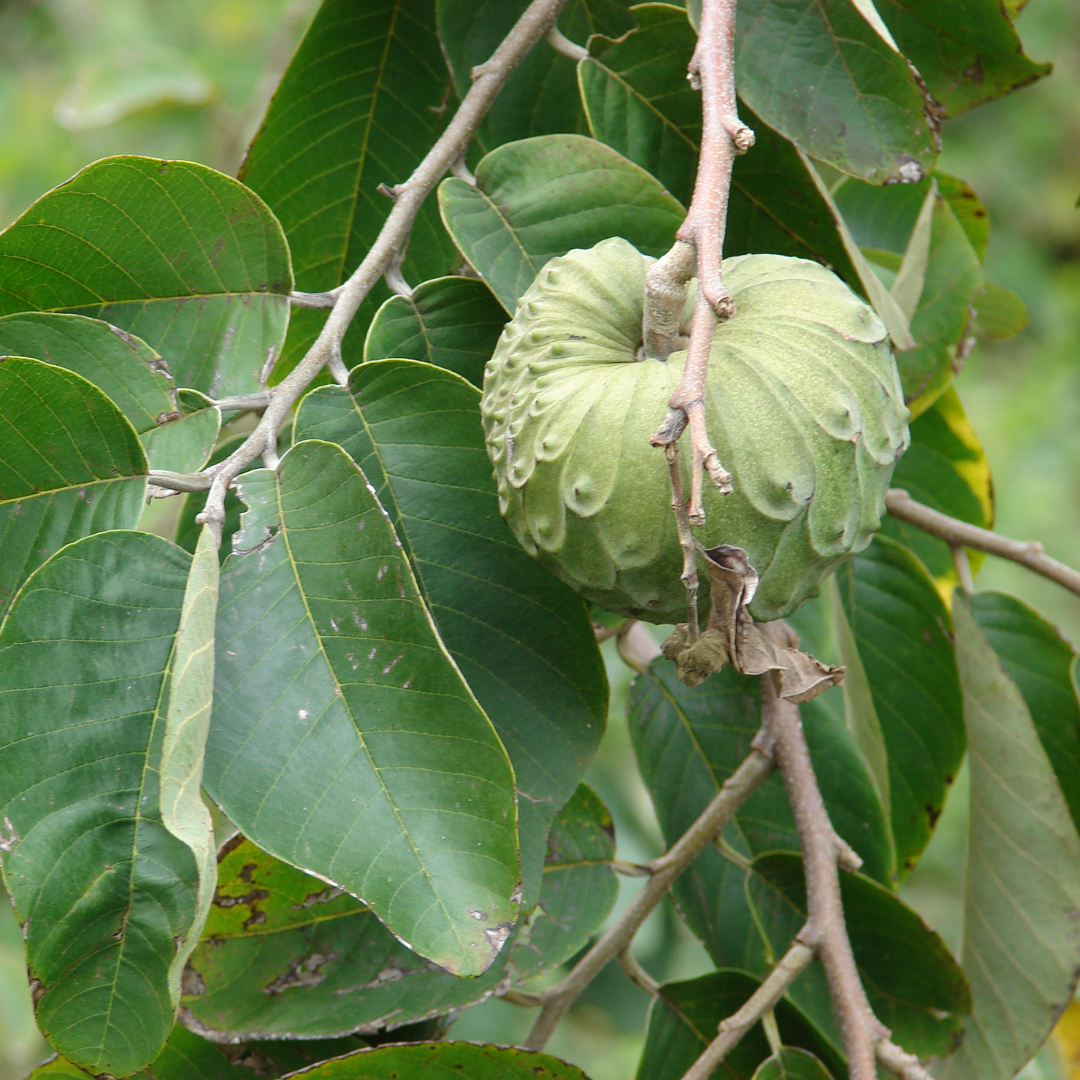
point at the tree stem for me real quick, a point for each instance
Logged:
(960, 534)
(488, 79)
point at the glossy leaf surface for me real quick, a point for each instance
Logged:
(1040, 662)
(104, 891)
(945, 468)
(685, 1016)
(539, 198)
(360, 105)
(188, 259)
(968, 53)
(639, 102)
(451, 322)
(861, 109)
(446, 1061)
(900, 628)
(70, 465)
(520, 638)
(285, 954)
(1020, 948)
(124, 368)
(344, 739)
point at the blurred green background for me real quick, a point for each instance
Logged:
(85, 79)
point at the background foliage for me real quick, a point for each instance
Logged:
(84, 79)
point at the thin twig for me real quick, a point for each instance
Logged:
(488, 79)
(244, 402)
(959, 533)
(736, 790)
(824, 907)
(791, 966)
(313, 299)
(899, 1062)
(723, 136)
(637, 974)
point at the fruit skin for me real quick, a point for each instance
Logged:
(803, 404)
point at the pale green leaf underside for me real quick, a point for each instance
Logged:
(102, 888)
(344, 739)
(1021, 950)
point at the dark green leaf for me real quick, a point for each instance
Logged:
(521, 639)
(360, 105)
(122, 367)
(344, 739)
(451, 322)
(104, 892)
(1020, 948)
(541, 97)
(190, 260)
(969, 210)
(685, 1016)
(639, 102)
(184, 1057)
(1040, 661)
(445, 1061)
(968, 52)
(792, 1064)
(901, 628)
(274, 928)
(70, 465)
(817, 72)
(541, 197)
(945, 468)
(915, 986)
(881, 219)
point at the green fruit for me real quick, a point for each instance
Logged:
(803, 404)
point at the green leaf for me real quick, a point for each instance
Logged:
(688, 741)
(815, 71)
(945, 468)
(185, 1056)
(70, 464)
(915, 986)
(999, 313)
(882, 219)
(188, 529)
(344, 739)
(187, 723)
(1040, 661)
(539, 198)
(185, 443)
(103, 890)
(451, 322)
(968, 53)
(792, 1064)
(1020, 948)
(273, 928)
(639, 102)
(190, 260)
(541, 96)
(124, 368)
(968, 208)
(361, 103)
(521, 639)
(684, 1018)
(449, 1060)
(900, 627)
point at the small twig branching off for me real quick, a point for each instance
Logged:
(960, 534)
(488, 80)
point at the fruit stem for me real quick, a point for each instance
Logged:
(686, 541)
(724, 136)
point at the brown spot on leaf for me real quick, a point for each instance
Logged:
(191, 983)
(305, 972)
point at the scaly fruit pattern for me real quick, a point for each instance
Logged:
(803, 403)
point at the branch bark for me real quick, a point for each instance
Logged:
(488, 80)
(736, 790)
(960, 534)
(723, 136)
